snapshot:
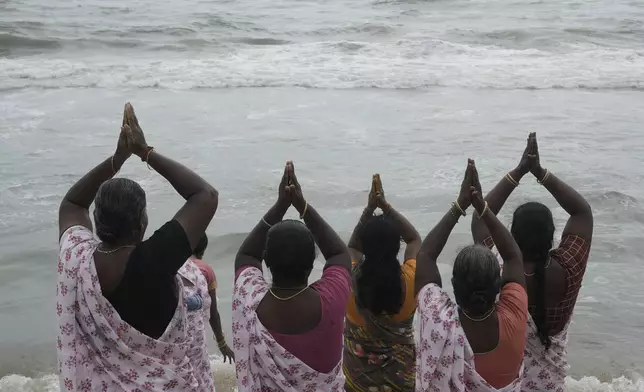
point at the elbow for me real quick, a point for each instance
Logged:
(210, 198)
(587, 209)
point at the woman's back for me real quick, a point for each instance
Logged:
(379, 349)
(310, 325)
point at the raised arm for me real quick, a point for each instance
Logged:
(497, 197)
(505, 244)
(580, 222)
(201, 198)
(426, 269)
(355, 245)
(377, 200)
(74, 209)
(251, 250)
(331, 245)
(407, 230)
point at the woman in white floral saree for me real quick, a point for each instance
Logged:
(475, 343)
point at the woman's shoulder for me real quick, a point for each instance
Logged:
(77, 235)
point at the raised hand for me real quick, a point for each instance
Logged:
(525, 162)
(135, 138)
(475, 190)
(533, 155)
(283, 192)
(122, 151)
(294, 189)
(372, 202)
(380, 194)
(465, 195)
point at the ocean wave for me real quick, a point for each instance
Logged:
(403, 64)
(12, 41)
(224, 375)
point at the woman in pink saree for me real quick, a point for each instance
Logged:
(287, 334)
(121, 312)
(475, 343)
(553, 276)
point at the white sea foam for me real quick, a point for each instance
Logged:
(403, 64)
(225, 380)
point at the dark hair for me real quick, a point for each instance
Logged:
(379, 280)
(200, 249)
(476, 279)
(289, 252)
(119, 211)
(533, 229)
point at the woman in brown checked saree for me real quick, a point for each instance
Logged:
(379, 350)
(553, 276)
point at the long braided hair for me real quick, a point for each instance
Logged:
(533, 229)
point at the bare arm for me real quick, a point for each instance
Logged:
(74, 209)
(507, 247)
(426, 269)
(505, 244)
(201, 198)
(331, 245)
(251, 251)
(407, 231)
(497, 197)
(215, 319)
(215, 324)
(580, 222)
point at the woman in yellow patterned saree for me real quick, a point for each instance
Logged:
(379, 352)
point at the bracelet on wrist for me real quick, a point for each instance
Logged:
(456, 205)
(544, 177)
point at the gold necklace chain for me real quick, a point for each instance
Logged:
(482, 318)
(107, 252)
(286, 298)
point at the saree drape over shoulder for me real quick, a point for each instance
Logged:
(445, 360)
(97, 350)
(261, 363)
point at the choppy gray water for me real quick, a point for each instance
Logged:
(344, 88)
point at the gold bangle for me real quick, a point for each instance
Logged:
(454, 210)
(545, 177)
(222, 343)
(266, 223)
(485, 209)
(147, 157)
(458, 207)
(113, 169)
(306, 207)
(511, 180)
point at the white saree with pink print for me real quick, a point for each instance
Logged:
(195, 285)
(261, 363)
(444, 358)
(97, 351)
(544, 370)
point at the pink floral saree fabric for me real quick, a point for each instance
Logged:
(197, 325)
(444, 358)
(545, 370)
(261, 363)
(97, 351)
